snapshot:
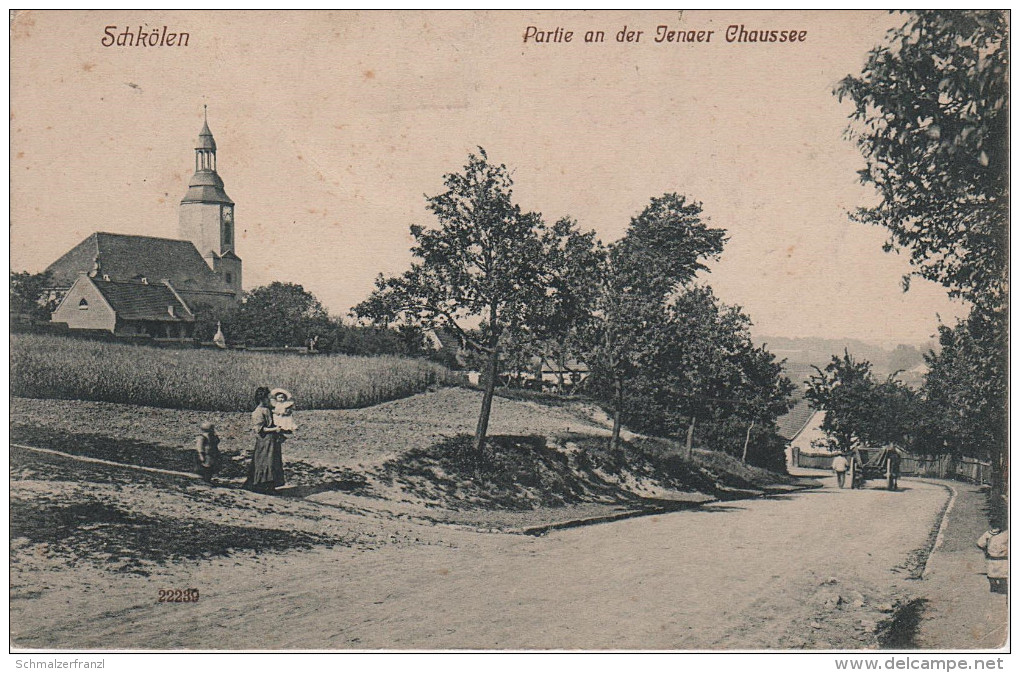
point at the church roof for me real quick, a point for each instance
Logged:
(130, 258)
(206, 187)
(141, 301)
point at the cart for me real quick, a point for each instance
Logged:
(875, 463)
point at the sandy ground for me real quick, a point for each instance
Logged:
(337, 438)
(339, 458)
(959, 612)
(819, 569)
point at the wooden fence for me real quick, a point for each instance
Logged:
(945, 467)
(941, 467)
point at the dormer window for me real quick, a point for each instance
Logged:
(83, 305)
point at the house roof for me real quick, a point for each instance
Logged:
(448, 340)
(791, 423)
(130, 258)
(143, 301)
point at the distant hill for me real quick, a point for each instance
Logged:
(801, 353)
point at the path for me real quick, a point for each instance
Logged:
(960, 612)
(782, 572)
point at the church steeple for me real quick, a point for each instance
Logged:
(205, 153)
(206, 185)
(207, 213)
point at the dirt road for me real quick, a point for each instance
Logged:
(817, 570)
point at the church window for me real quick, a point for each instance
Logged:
(228, 224)
(230, 278)
(83, 305)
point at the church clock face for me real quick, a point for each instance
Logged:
(228, 214)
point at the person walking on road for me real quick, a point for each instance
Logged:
(839, 466)
(995, 543)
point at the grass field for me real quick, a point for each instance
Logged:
(54, 367)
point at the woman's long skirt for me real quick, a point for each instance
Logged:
(266, 469)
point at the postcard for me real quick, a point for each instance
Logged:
(532, 331)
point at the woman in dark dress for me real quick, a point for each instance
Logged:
(265, 473)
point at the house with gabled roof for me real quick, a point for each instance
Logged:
(126, 308)
(801, 427)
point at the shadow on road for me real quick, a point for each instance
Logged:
(900, 633)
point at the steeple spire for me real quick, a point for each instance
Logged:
(206, 185)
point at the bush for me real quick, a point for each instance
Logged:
(67, 368)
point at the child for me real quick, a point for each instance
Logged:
(995, 544)
(207, 456)
(283, 411)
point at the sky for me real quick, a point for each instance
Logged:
(332, 127)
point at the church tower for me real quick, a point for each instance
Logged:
(207, 214)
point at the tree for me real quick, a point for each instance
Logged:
(664, 247)
(28, 295)
(278, 314)
(484, 262)
(406, 340)
(208, 318)
(931, 119)
(573, 259)
(692, 359)
(897, 414)
(860, 410)
(965, 393)
(763, 393)
(701, 370)
(844, 390)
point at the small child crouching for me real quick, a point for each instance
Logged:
(207, 453)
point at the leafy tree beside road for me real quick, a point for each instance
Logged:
(700, 371)
(931, 118)
(664, 247)
(661, 354)
(483, 262)
(860, 411)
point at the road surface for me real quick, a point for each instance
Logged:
(812, 570)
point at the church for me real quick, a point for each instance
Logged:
(146, 286)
